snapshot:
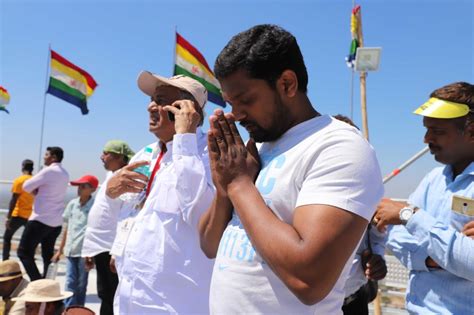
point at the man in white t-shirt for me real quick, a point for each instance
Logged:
(287, 219)
(102, 226)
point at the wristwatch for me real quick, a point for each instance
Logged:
(406, 213)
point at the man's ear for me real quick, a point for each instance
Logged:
(287, 83)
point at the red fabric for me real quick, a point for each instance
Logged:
(192, 50)
(155, 169)
(90, 80)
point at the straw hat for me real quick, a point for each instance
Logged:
(43, 290)
(9, 269)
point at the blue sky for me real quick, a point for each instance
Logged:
(425, 44)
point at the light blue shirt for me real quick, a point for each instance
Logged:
(76, 218)
(431, 233)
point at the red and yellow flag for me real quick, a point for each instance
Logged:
(191, 63)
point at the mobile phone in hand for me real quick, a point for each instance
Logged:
(171, 115)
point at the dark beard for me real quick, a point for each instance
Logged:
(279, 123)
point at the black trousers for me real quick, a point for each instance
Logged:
(358, 306)
(35, 233)
(107, 282)
(15, 224)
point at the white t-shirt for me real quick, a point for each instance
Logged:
(102, 222)
(320, 161)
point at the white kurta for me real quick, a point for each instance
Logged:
(162, 269)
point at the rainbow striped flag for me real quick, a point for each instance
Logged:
(4, 99)
(70, 83)
(355, 25)
(190, 62)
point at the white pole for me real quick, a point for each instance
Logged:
(44, 108)
(174, 48)
(396, 171)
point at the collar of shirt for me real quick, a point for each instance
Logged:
(87, 205)
(448, 172)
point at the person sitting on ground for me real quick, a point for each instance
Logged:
(43, 296)
(11, 285)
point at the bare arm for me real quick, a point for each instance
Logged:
(12, 204)
(309, 255)
(58, 254)
(213, 223)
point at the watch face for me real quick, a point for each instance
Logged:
(406, 214)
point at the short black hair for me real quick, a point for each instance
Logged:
(27, 165)
(57, 152)
(264, 52)
(458, 92)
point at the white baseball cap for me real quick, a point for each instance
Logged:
(148, 82)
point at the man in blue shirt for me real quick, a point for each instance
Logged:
(432, 234)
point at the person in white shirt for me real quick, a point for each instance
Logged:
(160, 264)
(44, 225)
(102, 226)
(287, 218)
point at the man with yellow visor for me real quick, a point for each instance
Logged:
(432, 234)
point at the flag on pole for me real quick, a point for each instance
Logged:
(190, 62)
(4, 99)
(355, 24)
(70, 83)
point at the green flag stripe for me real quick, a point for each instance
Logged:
(66, 88)
(207, 85)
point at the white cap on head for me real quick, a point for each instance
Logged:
(148, 82)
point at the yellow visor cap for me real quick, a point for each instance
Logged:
(437, 108)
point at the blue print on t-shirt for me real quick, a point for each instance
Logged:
(265, 185)
(235, 244)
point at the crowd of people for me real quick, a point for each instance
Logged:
(291, 222)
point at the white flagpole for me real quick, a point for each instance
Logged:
(44, 108)
(174, 48)
(396, 171)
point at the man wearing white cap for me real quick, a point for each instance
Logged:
(432, 234)
(43, 297)
(160, 265)
(11, 285)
